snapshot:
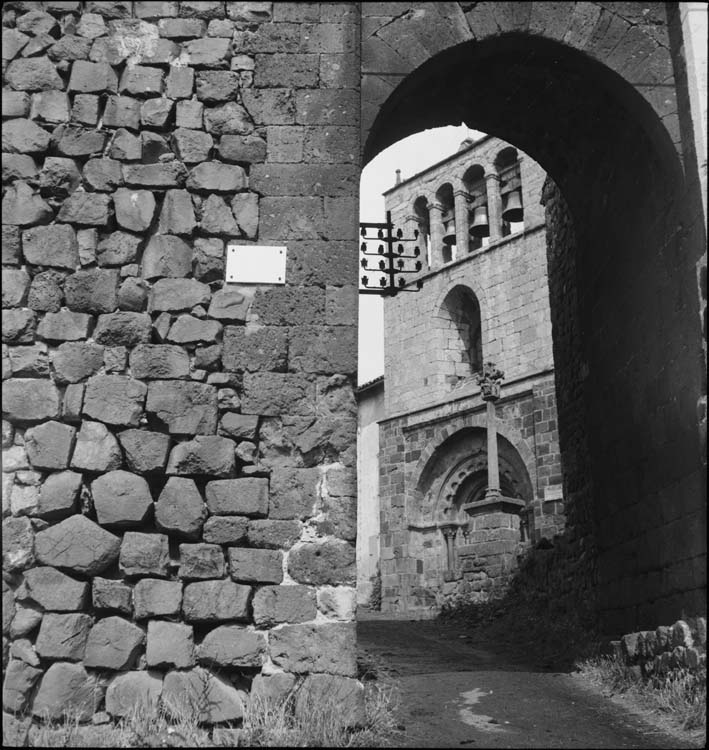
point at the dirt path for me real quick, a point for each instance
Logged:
(456, 693)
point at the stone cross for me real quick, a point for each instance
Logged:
(489, 381)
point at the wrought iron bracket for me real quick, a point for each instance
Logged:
(392, 258)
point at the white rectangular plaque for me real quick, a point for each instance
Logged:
(255, 264)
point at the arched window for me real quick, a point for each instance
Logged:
(461, 335)
(474, 181)
(444, 195)
(507, 166)
(424, 226)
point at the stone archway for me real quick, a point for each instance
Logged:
(623, 247)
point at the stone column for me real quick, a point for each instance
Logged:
(435, 215)
(494, 206)
(461, 223)
(449, 533)
(489, 380)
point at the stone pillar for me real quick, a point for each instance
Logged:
(489, 380)
(494, 206)
(449, 533)
(435, 216)
(461, 223)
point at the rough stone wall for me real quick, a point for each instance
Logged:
(178, 453)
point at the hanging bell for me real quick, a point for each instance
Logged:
(448, 220)
(479, 226)
(513, 207)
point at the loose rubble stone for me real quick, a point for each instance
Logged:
(77, 544)
(189, 114)
(133, 295)
(245, 207)
(237, 497)
(86, 209)
(122, 112)
(201, 561)
(20, 679)
(239, 426)
(15, 730)
(73, 402)
(228, 119)
(64, 326)
(217, 217)
(218, 700)
(154, 147)
(255, 565)
(30, 400)
(46, 293)
(113, 643)
(24, 137)
(36, 23)
(346, 693)
(58, 496)
(107, 594)
(215, 86)
(190, 330)
(70, 47)
(168, 175)
(33, 74)
(66, 688)
(121, 499)
(17, 544)
(273, 534)
(271, 690)
(92, 78)
(232, 646)
(123, 329)
(186, 408)
(50, 106)
(338, 602)
(85, 109)
(22, 207)
(18, 167)
(115, 399)
(246, 149)
(274, 605)
(130, 690)
(153, 597)
(134, 209)
(73, 140)
(59, 177)
(179, 82)
(118, 249)
(145, 451)
(206, 52)
(63, 637)
(215, 601)
(173, 295)
(96, 449)
(15, 103)
(141, 80)
(166, 255)
(30, 361)
(23, 649)
(25, 621)
(18, 327)
(10, 244)
(214, 176)
(228, 530)
(207, 454)
(322, 647)
(24, 500)
(170, 644)
(125, 146)
(155, 113)
(49, 445)
(192, 146)
(177, 214)
(329, 562)
(159, 361)
(180, 509)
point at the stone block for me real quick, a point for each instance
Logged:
(179, 83)
(232, 646)
(63, 636)
(53, 591)
(215, 176)
(322, 647)
(20, 679)
(11, 252)
(206, 53)
(118, 249)
(134, 209)
(170, 644)
(201, 561)
(49, 445)
(123, 329)
(108, 594)
(133, 295)
(46, 293)
(113, 643)
(96, 449)
(140, 80)
(245, 207)
(115, 399)
(144, 451)
(18, 167)
(215, 601)
(189, 114)
(239, 426)
(192, 145)
(29, 400)
(215, 86)
(15, 103)
(18, 326)
(190, 330)
(125, 146)
(274, 394)
(92, 78)
(73, 402)
(121, 499)
(155, 148)
(22, 207)
(23, 136)
(329, 562)
(177, 214)
(174, 295)
(255, 565)
(228, 119)
(132, 691)
(58, 496)
(291, 306)
(228, 530)
(17, 544)
(296, 70)
(273, 534)
(33, 74)
(159, 361)
(210, 455)
(337, 602)
(144, 554)
(214, 699)
(75, 141)
(180, 509)
(92, 291)
(153, 597)
(155, 113)
(86, 209)
(272, 691)
(263, 349)
(217, 217)
(181, 28)
(64, 326)
(85, 109)
(77, 544)
(103, 174)
(239, 497)
(29, 361)
(245, 149)
(122, 112)
(322, 691)
(162, 175)
(229, 305)
(69, 47)
(66, 688)
(24, 500)
(275, 605)
(166, 255)
(186, 408)
(270, 106)
(24, 620)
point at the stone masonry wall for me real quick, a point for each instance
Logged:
(179, 497)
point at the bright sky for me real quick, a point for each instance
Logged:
(410, 155)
